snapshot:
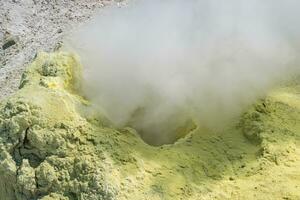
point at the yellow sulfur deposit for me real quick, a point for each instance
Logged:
(53, 148)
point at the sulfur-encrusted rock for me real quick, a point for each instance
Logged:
(54, 145)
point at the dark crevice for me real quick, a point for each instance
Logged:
(19, 155)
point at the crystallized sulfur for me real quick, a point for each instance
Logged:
(54, 148)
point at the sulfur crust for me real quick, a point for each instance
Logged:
(53, 147)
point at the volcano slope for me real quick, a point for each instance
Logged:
(54, 147)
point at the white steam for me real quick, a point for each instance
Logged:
(156, 64)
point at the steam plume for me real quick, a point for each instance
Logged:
(157, 64)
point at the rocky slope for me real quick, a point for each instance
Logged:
(30, 26)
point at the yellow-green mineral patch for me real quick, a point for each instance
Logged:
(51, 148)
